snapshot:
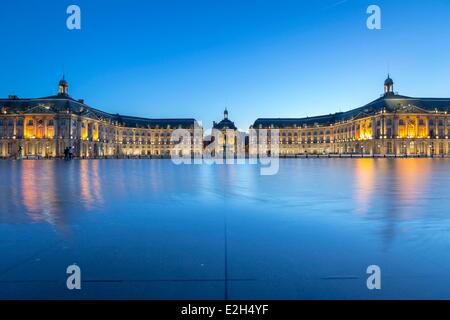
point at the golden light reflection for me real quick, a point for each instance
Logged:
(411, 176)
(38, 191)
(90, 186)
(365, 175)
(401, 182)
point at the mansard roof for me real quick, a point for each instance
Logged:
(66, 104)
(390, 102)
(224, 124)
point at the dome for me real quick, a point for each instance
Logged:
(388, 81)
(225, 124)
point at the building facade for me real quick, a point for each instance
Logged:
(392, 125)
(44, 127)
(226, 138)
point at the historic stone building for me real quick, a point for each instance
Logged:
(393, 125)
(228, 139)
(44, 127)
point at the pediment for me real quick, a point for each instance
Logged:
(41, 108)
(360, 115)
(89, 114)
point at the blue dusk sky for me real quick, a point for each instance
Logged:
(193, 58)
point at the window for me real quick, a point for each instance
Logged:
(30, 123)
(421, 122)
(401, 122)
(389, 132)
(390, 148)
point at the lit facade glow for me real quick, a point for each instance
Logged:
(44, 127)
(391, 125)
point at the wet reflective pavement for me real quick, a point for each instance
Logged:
(148, 229)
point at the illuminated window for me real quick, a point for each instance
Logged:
(40, 130)
(411, 129)
(50, 132)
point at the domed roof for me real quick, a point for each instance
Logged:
(389, 81)
(225, 124)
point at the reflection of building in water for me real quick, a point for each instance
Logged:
(90, 189)
(365, 178)
(46, 126)
(53, 192)
(391, 125)
(40, 203)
